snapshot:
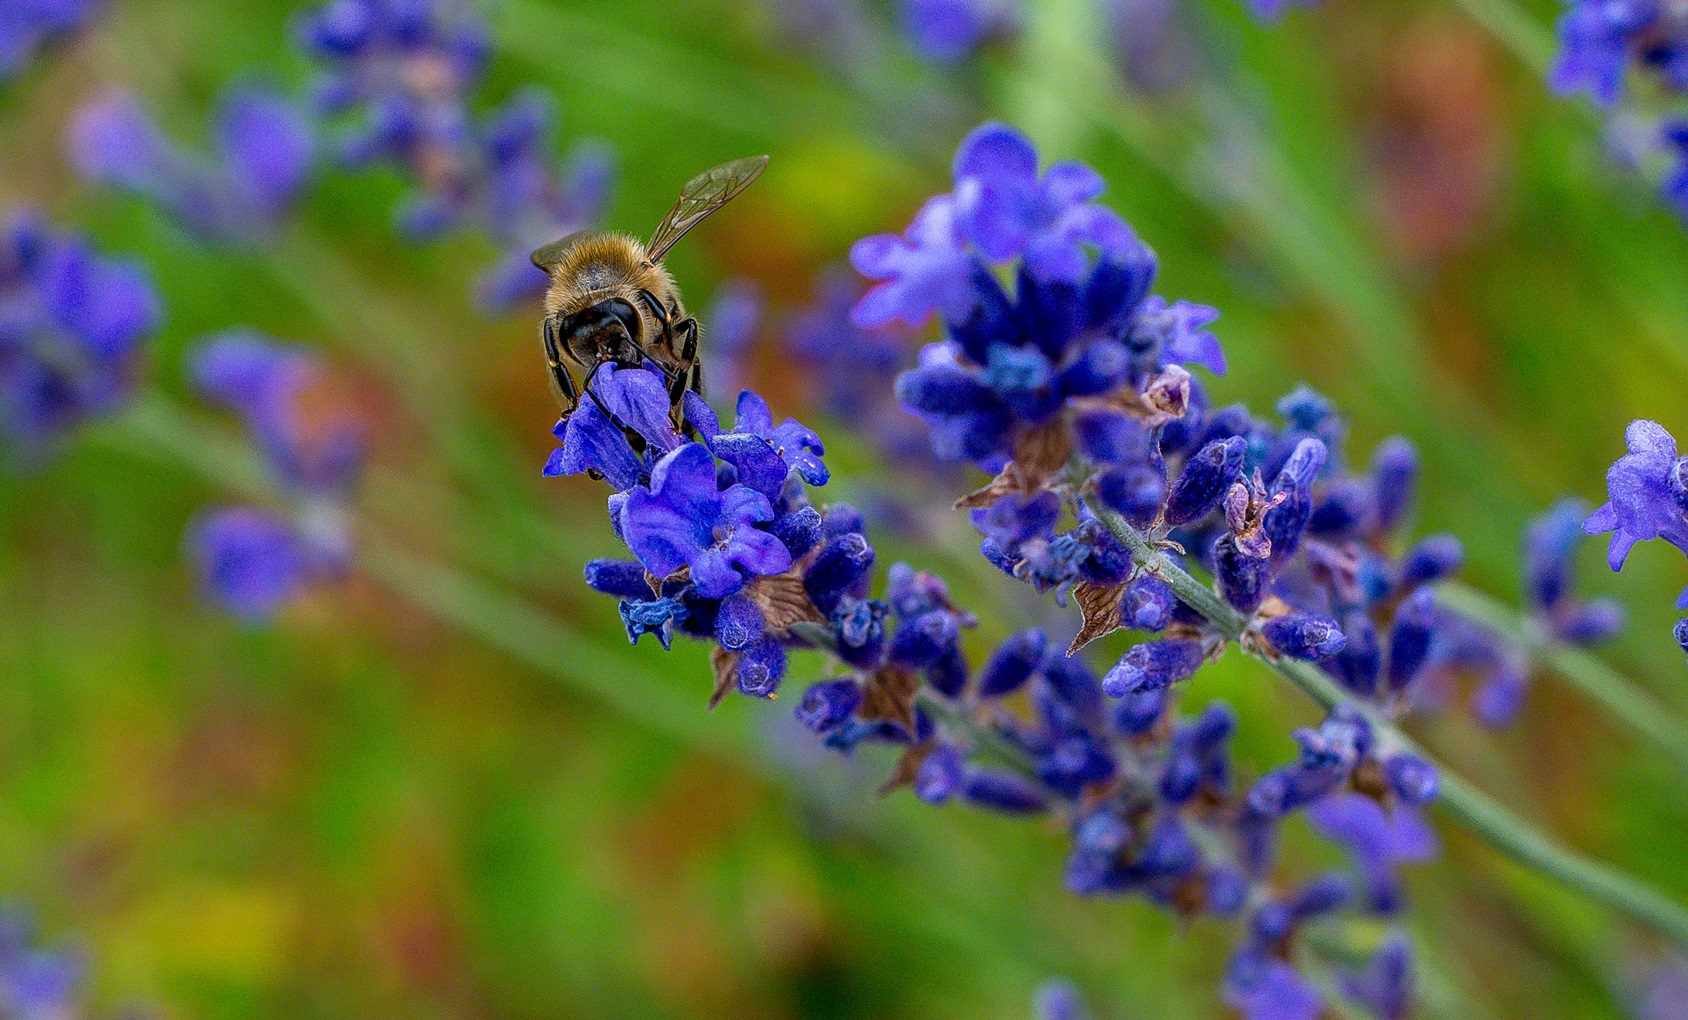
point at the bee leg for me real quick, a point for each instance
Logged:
(562, 384)
(656, 308)
(688, 360)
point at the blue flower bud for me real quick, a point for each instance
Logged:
(1147, 604)
(1204, 480)
(1073, 763)
(1304, 636)
(1002, 792)
(1320, 896)
(1227, 891)
(1012, 664)
(1023, 379)
(1153, 665)
(1409, 638)
(1138, 712)
(1109, 437)
(828, 704)
(1098, 368)
(948, 675)
(842, 519)
(944, 391)
(1342, 510)
(738, 623)
(839, 569)
(939, 775)
(761, 667)
(799, 530)
(657, 616)
(1678, 483)
(623, 579)
(924, 640)
(1394, 475)
(1360, 661)
(1592, 622)
(1413, 780)
(1069, 678)
(1135, 492)
(858, 625)
(1241, 577)
(1680, 633)
(1285, 523)
(1170, 852)
(1180, 778)
(1432, 559)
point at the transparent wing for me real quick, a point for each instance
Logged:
(702, 195)
(552, 253)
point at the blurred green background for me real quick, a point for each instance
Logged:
(415, 797)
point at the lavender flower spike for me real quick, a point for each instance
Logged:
(1649, 496)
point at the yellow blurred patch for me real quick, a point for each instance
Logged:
(229, 933)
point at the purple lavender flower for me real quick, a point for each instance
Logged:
(1080, 334)
(947, 31)
(524, 203)
(1549, 543)
(290, 403)
(1377, 840)
(1600, 39)
(265, 152)
(28, 25)
(681, 520)
(251, 561)
(71, 328)
(1649, 495)
(405, 72)
(1059, 1000)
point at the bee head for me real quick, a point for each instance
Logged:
(610, 330)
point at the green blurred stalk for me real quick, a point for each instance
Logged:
(1461, 801)
(1600, 683)
(1513, 27)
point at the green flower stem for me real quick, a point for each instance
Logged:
(1600, 683)
(1464, 803)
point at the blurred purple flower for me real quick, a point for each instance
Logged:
(71, 328)
(1378, 840)
(250, 562)
(947, 31)
(265, 152)
(286, 398)
(1599, 39)
(27, 25)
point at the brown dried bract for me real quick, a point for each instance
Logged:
(783, 601)
(1100, 605)
(725, 664)
(907, 767)
(1040, 454)
(889, 695)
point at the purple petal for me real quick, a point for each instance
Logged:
(997, 152)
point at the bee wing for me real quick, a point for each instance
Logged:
(552, 253)
(701, 196)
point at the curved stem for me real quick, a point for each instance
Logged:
(1600, 683)
(1464, 803)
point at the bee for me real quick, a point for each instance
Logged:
(611, 301)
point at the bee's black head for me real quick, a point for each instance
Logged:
(607, 331)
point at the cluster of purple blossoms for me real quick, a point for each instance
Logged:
(71, 329)
(1648, 490)
(253, 561)
(405, 73)
(265, 151)
(28, 25)
(1074, 392)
